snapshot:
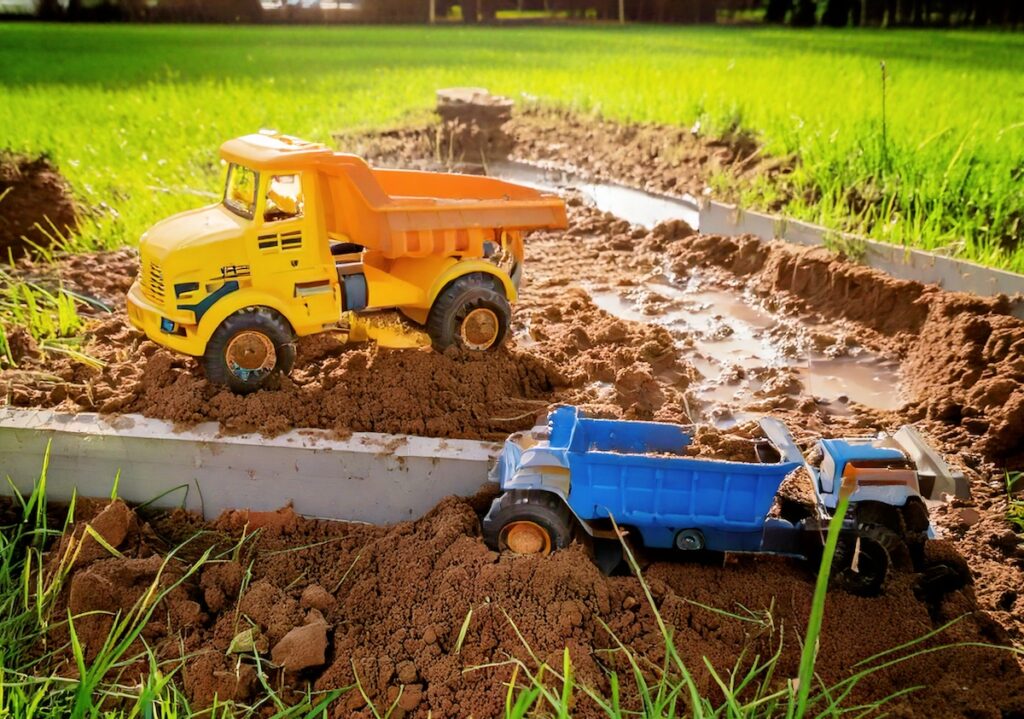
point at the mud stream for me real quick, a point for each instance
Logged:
(729, 338)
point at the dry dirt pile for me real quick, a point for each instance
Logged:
(325, 603)
(360, 388)
(660, 158)
(33, 195)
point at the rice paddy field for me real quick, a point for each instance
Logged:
(133, 115)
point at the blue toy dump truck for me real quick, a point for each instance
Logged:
(576, 474)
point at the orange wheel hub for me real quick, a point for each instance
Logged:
(480, 329)
(526, 538)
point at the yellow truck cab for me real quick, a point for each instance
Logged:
(307, 240)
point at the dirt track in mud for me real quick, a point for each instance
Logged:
(394, 617)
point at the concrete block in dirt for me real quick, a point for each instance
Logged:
(474, 124)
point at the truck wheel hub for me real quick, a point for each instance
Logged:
(250, 353)
(480, 329)
(527, 538)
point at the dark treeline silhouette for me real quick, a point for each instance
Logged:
(798, 13)
(896, 13)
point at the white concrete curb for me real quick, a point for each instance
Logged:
(369, 477)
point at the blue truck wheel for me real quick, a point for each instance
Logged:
(690, 540)
(528, 522)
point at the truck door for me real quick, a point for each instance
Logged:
(281, 239)
(287, 247)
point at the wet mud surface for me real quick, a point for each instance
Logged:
(661, 324)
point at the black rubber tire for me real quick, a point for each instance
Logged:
(938, 578)
(544, 509)
(895, 545)
(254, 319)
(873, 565)
(476, 290)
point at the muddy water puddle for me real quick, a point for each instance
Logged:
(746, 354)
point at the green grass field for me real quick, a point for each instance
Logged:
(134, 114)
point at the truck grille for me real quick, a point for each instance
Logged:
(153, 282)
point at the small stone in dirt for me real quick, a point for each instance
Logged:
(316, 597)
(112, 524)
(429, 636)
(1006, 540)
(1006, 600)
(301, 648)
(966, 517)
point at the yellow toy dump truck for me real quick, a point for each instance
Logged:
(308, 240)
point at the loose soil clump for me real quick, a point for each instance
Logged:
(35, 203)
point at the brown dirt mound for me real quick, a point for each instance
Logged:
(661, 158)
(33, 192)
(327, 603)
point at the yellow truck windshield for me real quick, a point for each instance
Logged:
(240, 190)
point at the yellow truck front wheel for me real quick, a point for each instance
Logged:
(472, 312)
(248, 349)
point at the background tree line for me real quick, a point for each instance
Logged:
(798, 13)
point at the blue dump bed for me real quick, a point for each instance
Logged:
(633, 471)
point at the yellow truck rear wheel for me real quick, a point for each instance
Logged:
(248, 349)
(472, 312)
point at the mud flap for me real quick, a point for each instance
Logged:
(779, 435)
(607, 555)
(387, 329)
(931, 466)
